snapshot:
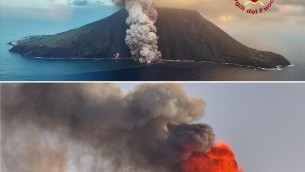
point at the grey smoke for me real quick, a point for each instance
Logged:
(199, 136)
(98, 127)
(142, 36)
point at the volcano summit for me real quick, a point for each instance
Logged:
(183, 35)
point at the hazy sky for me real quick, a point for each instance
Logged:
(224, 11)
(264, 123)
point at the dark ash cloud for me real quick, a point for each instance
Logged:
(98, 127)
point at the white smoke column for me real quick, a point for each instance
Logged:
(142, 36)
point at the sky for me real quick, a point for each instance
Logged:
(223, 11)
(264, 123)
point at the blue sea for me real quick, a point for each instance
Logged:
(17, 68)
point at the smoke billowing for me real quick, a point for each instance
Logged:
(142, 36)
(97, 127)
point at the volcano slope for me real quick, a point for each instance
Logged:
(183, 35)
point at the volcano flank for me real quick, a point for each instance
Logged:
(183, 35)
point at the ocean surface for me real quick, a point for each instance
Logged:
(17, 68)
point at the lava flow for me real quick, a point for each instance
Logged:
(219, 158)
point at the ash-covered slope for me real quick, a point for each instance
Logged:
(183, 35)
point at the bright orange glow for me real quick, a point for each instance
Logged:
(219, 158)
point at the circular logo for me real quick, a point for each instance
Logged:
(254, 6)
(254, 2)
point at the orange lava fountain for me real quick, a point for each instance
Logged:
(220, 158)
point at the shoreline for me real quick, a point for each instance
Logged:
(277, 68)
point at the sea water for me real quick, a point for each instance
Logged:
(17, 68)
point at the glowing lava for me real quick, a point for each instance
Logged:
(219, 158)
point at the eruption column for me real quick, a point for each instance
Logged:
(142, 36)
(97, 127)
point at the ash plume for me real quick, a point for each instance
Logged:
(196, 137)
(142, 36)
(98, 127)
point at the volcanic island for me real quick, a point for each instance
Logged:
(184, 35)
